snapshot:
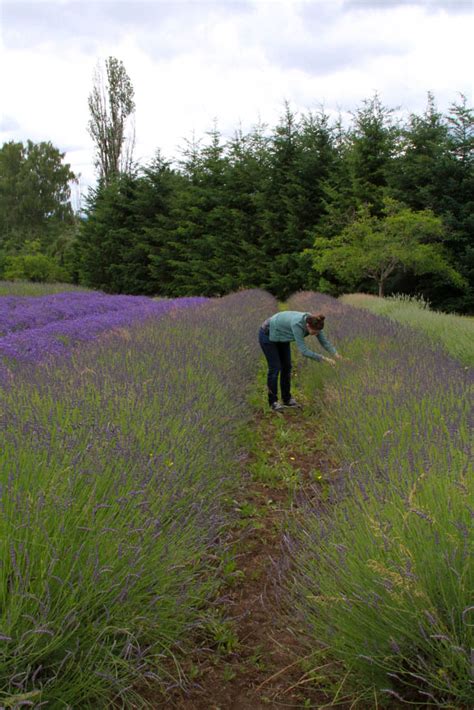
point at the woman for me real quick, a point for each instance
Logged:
(275, 336)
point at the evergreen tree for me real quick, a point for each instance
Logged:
(417, 174)
(338, 202)
(203, 254)
(317, 168)
(245, 186)
(373, 144)
(244, 214)
(458, 205)
(316, 162)
(162, 189)
(111, 254)
(283, 241)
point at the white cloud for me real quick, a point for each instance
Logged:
(193, 62)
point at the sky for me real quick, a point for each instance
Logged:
(195, 64)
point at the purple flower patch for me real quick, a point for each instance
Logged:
(35, 329)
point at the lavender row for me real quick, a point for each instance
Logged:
(115, 465)
(384, 574)
(19, 313)
(39, 328)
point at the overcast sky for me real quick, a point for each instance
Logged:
(192, 62)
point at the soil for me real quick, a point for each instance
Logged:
(265, 666)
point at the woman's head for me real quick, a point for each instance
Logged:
(315, 322)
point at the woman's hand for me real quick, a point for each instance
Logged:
(329, 360)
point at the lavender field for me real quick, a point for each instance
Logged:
(383, 573)
(120, 426)
(118, 418)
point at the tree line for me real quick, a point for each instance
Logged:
(383, 205)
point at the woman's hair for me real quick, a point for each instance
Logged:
(315, 321)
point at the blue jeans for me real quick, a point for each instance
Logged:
(279, 364)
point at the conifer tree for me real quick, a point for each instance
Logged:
(245, 186)
(283, 241)
(111, 254)
(373, 144)
(159, 189)
(417, 173)
(204, 222)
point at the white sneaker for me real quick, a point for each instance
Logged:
(291, 403)
(277, 407)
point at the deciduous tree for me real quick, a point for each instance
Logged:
(375, 248)
(111, 106)
(35, 191)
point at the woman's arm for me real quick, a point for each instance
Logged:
(326, 344)
(301, 345)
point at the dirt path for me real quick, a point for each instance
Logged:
(260, 663)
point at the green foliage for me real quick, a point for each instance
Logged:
(221, 632)
(301, 156)
(243, 212)
(32, 265)
(3, 259)
(435, 170)
(420, 169)
(110, 252)
(280, 473)
(208, 254)
(375, 248)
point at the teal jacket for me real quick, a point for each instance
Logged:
(288, 326)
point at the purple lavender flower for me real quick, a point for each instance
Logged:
(35, 329)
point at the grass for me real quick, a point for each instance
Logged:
(454, 333)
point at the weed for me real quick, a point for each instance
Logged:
(194, 671)
(221, 632)
(231, 575)
(247, 510)
(276, 474)
(257, 659)
(228, 673)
